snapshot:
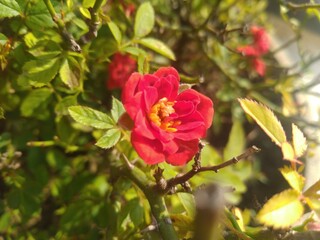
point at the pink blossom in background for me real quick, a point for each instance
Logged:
(120, 69)
(257, 49)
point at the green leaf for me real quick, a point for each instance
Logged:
(299, 141)
(157, 46)
(295, 180)
(5, 139)
(90, 117)
(115, 31)
(282, 210)
(39, 72)
(34, 101)
(109, 139)
(265, 119)
(188, 203)
(236, 142)
(63, 105)
(88, 3)
(144, 20)
(68, 75)
(1, 113)
(117, 109)
(38, 17)
(9, 8)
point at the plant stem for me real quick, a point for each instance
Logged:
(72, 44)
(93, 24)
(155, 199)
(161, 214)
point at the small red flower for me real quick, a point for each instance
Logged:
(259, 47)
(120, 69)
(167, 124)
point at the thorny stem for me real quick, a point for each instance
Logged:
(181, 179)
(93, 24)
(73, 45)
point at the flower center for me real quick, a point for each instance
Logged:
(159, 114)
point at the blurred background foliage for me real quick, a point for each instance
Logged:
(56, 184)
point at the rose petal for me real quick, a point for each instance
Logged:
(168, 87)
(249, 51)
(166, 71)
(184, 108)
(150, 98)
(259, 66)
(143, 127)
(130, 99)
(185, 153)
(150, 151)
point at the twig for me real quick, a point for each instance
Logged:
(286, 44)
(181, 179)
(93, 24)
(294, 6)
(72, 44)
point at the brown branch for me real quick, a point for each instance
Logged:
(196, 168)
(93, 24)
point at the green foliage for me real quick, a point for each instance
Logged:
(266, 120)
(90, 117)
(66, 158)
(144, 21)
(282, 210)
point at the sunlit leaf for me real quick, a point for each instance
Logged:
(109, 139)
(39, 72)
(158, 46)
(90, 117)
(287, 151)
(282, 210)
(313, 191)
(299, 141)
(9, 8)
(117, 109)
(295, 180)
(68, 75)
(144, 20)
(265, 119)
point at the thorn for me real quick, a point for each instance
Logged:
(129, 164)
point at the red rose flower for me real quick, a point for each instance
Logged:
(259, 47)
(120, 69)
(167, 124)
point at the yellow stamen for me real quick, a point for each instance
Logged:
(159, 114)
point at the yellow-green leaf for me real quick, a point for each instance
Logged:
(313, 191)
(299, 141)
(90, 117)
(109, 139)
(287, 151)
(115, 31)
(282, 210)
(158, 46)
(144, 20)
(295, 180)
(266, 119)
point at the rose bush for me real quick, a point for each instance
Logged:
(121, 67)
(259, 47)
(167, 124)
